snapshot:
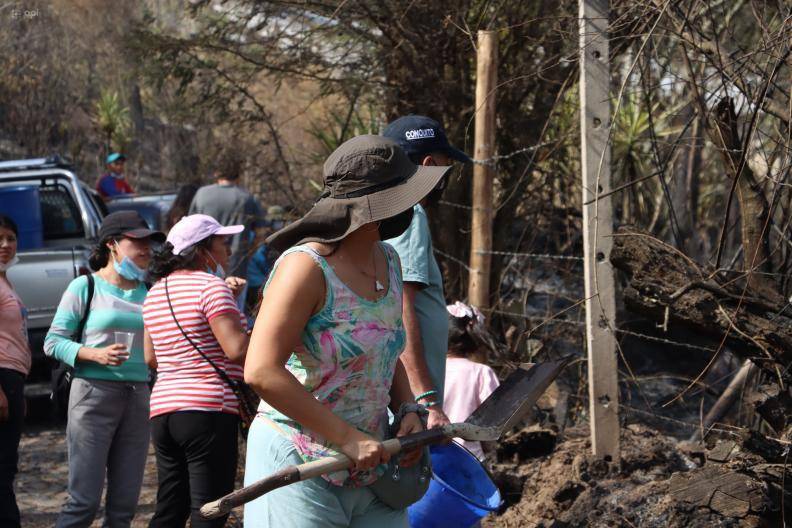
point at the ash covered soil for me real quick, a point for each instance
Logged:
(661, 482)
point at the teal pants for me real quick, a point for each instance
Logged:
(311, 503)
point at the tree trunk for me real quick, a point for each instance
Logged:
(754, 209)
(686, 182)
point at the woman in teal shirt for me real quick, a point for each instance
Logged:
(108, 424)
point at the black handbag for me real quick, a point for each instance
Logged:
(247, 397)
(399, 487)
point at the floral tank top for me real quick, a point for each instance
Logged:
(346, 359)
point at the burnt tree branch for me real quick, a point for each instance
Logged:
(662, 279)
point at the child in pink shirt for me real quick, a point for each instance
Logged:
(467, 382)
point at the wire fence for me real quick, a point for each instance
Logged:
(554, 320)
(493, 161)
(516, 254)
(718, 427)
(538, 256)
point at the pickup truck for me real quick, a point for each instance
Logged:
(152, 207)
(71, 213)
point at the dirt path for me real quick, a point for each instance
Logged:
(43, 475)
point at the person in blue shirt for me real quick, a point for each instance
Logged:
(425, 315)
(113, 182)
(258, 270)
(261, 263)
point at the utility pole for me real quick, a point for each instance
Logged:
(483, 174)
(595, 123)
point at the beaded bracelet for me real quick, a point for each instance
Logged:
(406, 408)
(430, 404)
(425, 394)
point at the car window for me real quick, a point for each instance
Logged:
(99, 205)
(60, 215)
(150, 213)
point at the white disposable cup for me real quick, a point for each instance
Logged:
(126, 339)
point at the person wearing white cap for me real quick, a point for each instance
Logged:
(196, 341)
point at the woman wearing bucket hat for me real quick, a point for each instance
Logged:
(98, 330)
(196, 341)
(324, 350)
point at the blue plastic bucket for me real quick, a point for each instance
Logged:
(23, 206)
(461, 491)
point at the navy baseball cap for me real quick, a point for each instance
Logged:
(420, 135)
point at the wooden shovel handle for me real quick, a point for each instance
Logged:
(292, 474)
(223, 505)
(424, 438)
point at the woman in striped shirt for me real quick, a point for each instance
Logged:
(194, 328)
(108, 427)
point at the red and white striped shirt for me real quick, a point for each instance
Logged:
(185, 380)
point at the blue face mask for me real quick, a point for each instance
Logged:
(128, 269)
(218, 271)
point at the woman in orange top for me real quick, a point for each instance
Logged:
(14, 367)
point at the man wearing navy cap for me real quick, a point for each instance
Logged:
(425, 315)
(113, 182)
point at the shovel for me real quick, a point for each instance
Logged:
(497, 414)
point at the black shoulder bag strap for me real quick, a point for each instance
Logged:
(62, 375)
(221, 373)
(81, 327)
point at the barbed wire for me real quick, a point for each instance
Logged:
(623, 331)
(538, 256)
(552, 320)
(453, 259)
(543, 320)
(458, 206)
(676, 421)
(664, 340)
(493, 161)
(631, 409)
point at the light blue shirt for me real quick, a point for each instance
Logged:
(112, 309)
(416, 252)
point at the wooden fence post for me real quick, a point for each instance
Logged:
(483, 174)
(595, 123)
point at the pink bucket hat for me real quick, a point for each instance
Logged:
(192, 229)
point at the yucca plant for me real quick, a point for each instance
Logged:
(632, 156)
(340, 125)
(112, 120)
(336, 127)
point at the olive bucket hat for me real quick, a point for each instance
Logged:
(367, 179)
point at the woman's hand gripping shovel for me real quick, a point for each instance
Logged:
(496, 415)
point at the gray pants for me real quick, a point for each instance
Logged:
(107, 435)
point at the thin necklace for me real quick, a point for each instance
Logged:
(378, 287)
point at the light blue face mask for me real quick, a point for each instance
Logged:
(128, 269)
(218, 271)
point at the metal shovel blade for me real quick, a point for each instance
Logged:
(514, 397)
